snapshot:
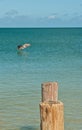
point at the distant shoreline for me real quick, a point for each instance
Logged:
(40, 27)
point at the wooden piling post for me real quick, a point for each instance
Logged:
(51, 110)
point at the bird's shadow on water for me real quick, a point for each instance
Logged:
(29, 128)
(22, 53)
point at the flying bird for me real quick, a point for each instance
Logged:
(20, 47)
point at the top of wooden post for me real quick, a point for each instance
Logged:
(50, 92)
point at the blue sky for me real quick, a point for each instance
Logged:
(40, 13)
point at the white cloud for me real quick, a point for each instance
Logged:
(53, 16)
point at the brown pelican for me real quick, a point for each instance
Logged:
(20, 47)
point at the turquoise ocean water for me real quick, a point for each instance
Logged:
(55, 54)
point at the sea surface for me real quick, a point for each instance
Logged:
(55, 55)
